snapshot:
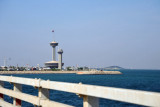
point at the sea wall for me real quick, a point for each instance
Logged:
(35, 72)
(60, 72)
(99, 72)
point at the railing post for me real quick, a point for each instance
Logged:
(43, 93)
(1, 85)
(18, 88)
(89, 101)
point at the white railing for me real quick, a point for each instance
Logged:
(90, 93)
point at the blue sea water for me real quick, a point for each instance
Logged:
(147, 80)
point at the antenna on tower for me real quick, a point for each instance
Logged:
(53, 35)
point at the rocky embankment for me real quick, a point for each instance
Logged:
(99, 72)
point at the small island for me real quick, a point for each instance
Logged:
(113, 68)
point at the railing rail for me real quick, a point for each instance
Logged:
(90, 93)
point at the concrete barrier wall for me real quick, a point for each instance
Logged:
(90, 93)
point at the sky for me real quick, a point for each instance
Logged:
(94, 33)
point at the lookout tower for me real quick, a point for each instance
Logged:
(60, 52)
(54, 63)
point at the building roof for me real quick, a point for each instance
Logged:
(52, 62)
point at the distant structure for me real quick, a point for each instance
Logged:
(60, 52)
(54, 63)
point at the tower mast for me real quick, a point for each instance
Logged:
(53, 35)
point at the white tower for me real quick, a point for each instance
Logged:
(60, 52)
(54, 63)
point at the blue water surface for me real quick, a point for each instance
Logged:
(147, 80)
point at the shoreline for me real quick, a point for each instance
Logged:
(36, 72)
(60, 72)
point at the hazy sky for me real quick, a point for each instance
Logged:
(95, 33)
